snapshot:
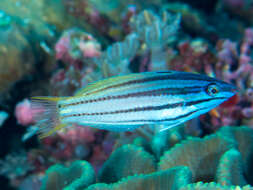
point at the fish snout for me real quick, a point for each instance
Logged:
(230, 88)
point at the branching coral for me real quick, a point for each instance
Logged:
(149, 32)
(156, 32)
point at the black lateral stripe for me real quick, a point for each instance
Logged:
(147, 108)
(163, 120)
(176, 76)
(156, 92)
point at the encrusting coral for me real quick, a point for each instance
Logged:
(223, 157)
(78, 176)
(126, 161)
(169, 179)
(218, 161)
(243, 137)
(213, 186)
(200, 155)
(229, 170)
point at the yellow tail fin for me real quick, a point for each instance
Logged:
(45, 111)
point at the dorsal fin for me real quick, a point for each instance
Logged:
(95, 86)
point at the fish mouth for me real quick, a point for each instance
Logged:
(230, 88)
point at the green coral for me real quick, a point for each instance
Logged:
(126, 161)
(221, 159)
(78, 176)
(243, 137)
(200, 155)
(213, 186)
(171, 179)
(230, 170)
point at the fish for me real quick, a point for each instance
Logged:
(124, 103)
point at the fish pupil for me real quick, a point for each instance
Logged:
(212, 89)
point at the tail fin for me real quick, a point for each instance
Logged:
(45, 111)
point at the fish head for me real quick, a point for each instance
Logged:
(208, 93)
(213, 93)
(219, 90)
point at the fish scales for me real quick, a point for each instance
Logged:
(126, 102)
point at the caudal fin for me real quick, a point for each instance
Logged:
(45, 111)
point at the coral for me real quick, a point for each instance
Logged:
(119, 37)
(76, 48)
(157, 142)
(156, 32)
(193, 21)
(193, 56)
(47, 15)
(212, 186)
(230, 170)
(228, 63)
(126, 161)
(235, 66)
(75, 45)
(73, 143)
(24, 113)
(168, 179)
(32, 182)
(15, 165)
(117, 57)
(200, 155)
(223, 157)
(243, 137)
(78, 176)
(14, 65)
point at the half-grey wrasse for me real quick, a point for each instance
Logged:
(124, 103)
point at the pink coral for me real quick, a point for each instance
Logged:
(24, 113)
(90, 49)
(62, 48)
(74, 45)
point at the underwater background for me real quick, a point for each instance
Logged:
(55, 47)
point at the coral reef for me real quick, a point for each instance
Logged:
(212, 162)
(57, 47)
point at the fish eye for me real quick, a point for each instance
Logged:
(212, 89)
